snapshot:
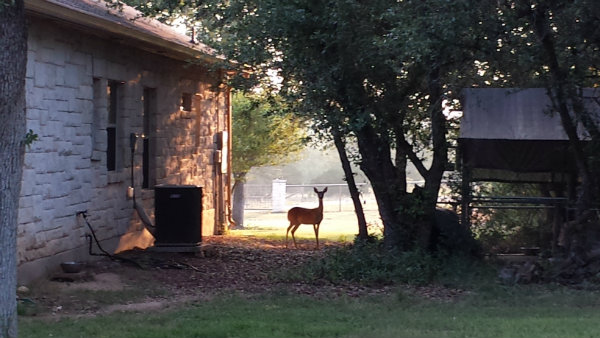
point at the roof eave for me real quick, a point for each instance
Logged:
(150, 42)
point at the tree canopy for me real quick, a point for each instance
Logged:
(265, 132)
(378, 71)
(361, 70)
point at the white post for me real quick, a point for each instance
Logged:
(278, 195)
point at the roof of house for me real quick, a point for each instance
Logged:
(123, 24)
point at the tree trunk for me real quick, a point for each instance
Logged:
(13, 61)
(363, 233)
(239, 200)
(376, 163)
(401, 158)
(408, 219)
(560, 93)
(433, 178)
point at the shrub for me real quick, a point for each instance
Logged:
(369, 263)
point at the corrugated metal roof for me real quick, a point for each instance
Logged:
(515, 114)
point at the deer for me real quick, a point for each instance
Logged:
(298, 215)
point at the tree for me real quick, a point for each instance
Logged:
(566, 74)
(340, 145)
(370, 70)
(374, 71)
(265, 133)
(378, 71)
(554, 45)
(13, 60)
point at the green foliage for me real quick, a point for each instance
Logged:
(265, 132)
(376, 71)
(6, 3)
(379, 70)
(451, 237)
(506, 230)
(370, 263)
(30, 137)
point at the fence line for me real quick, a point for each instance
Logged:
(337, 198)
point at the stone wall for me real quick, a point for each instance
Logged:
(65, 170)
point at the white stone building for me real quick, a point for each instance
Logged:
(95, 76)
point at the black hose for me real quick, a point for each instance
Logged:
(104, 252)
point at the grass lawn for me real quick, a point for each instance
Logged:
(336, 226)
(497, 312)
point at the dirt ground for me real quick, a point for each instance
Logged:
(145, 280)
(152, 281)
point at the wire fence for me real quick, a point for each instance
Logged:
(337, 198)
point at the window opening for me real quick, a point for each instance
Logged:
(186, 102)
(149, 111)
(112, 95)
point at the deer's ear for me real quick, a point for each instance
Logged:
(325, 190)
(316, 190)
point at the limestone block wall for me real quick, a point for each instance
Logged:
(65, 171)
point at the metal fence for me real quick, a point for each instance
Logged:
(337, 198)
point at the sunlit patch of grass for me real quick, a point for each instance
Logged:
(258, 231)
(336, 226)
(304, 232)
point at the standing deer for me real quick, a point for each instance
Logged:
(298, 216)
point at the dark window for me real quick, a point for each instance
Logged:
(146, 164)
(112, 95)
(111, 149)
(186, 102)
(149, 113)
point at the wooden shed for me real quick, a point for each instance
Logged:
(513, 135)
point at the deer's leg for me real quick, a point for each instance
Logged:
(316, 228)
(293, 237)
(286, 234)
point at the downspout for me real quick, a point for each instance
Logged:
(218, 183)
(229, 202)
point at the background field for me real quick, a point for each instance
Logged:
(337, 226)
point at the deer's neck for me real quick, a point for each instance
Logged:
(320, 207)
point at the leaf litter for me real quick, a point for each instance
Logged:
(245, 265)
